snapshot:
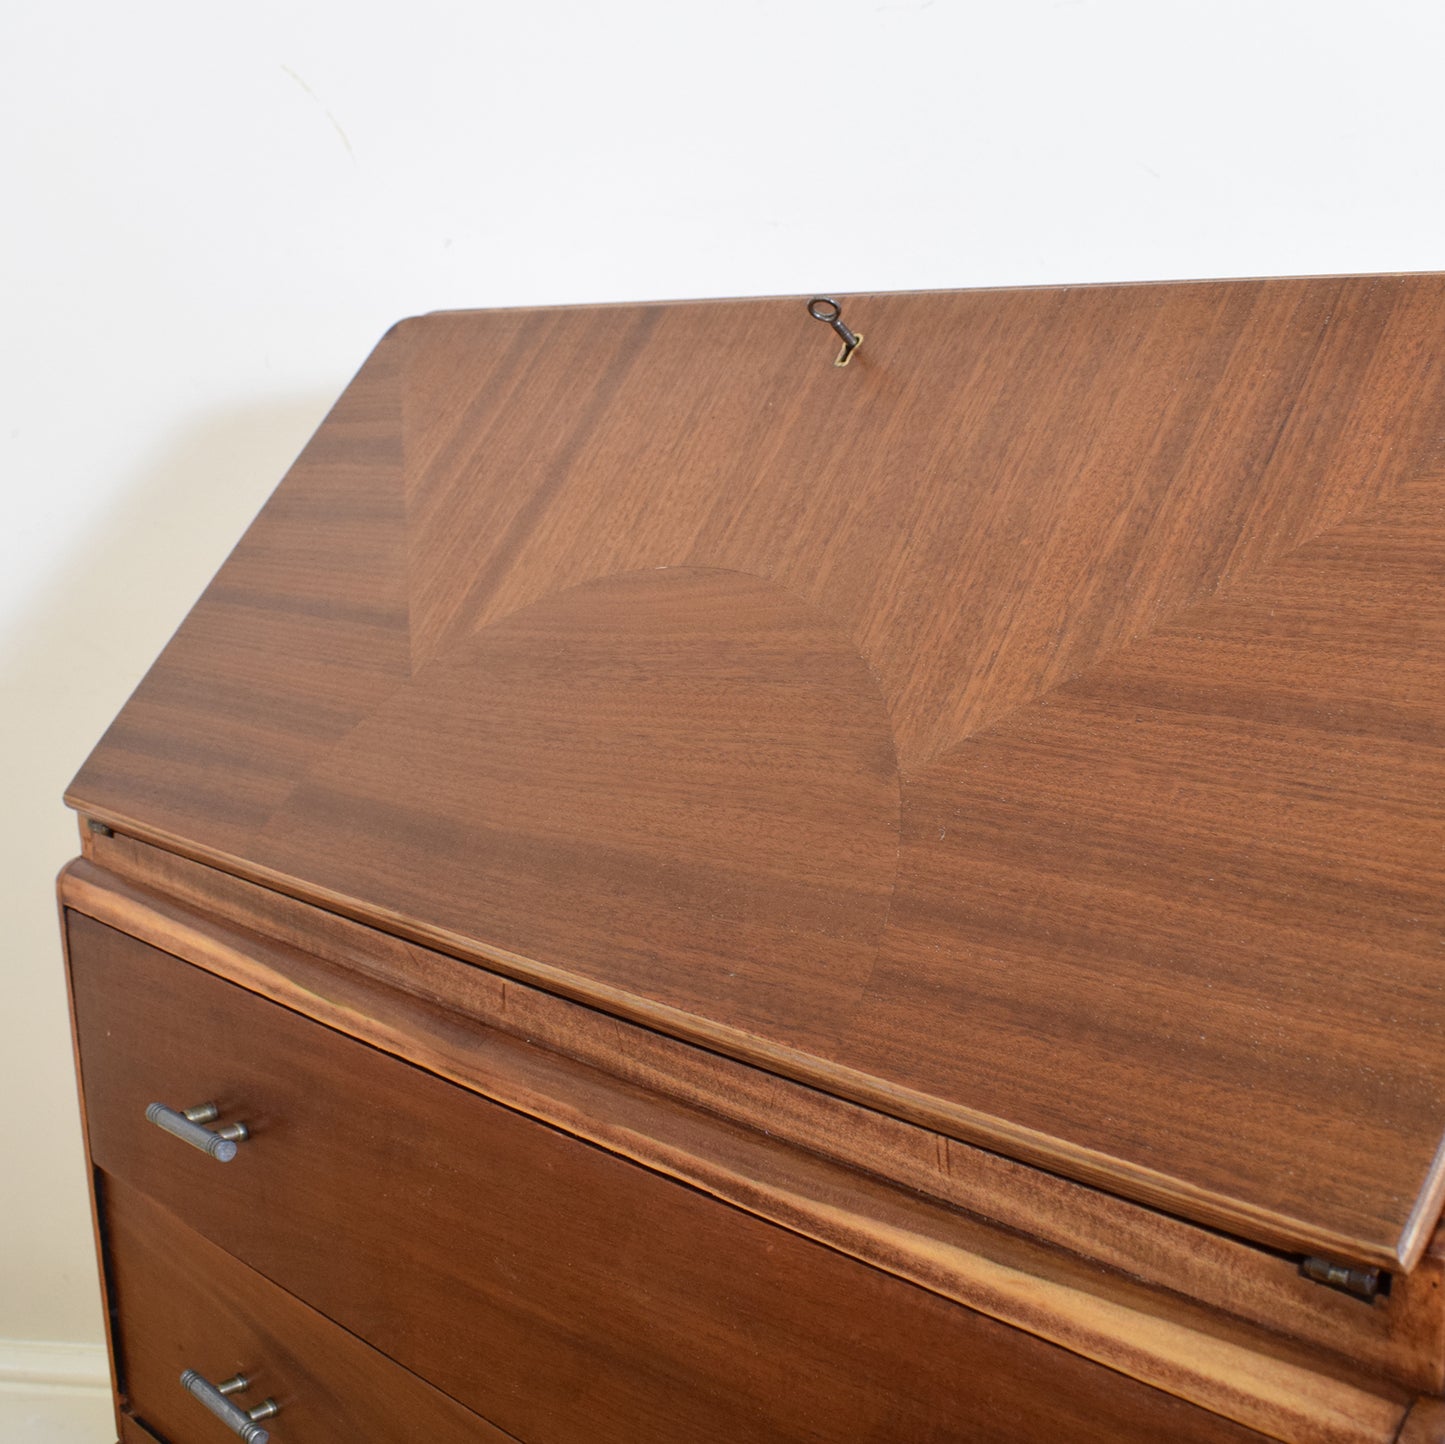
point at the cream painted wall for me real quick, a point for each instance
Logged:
(212, 211)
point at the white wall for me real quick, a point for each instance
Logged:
(211, 211)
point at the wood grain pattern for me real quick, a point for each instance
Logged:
(558, 1291)
(799, 1158)
(1145, 580)
(1247, 809)
(627, 736)
(310, 619)
(186, 1304)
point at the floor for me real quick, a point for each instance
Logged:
(34, 1415)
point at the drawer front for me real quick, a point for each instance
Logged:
(563, 1293)
(183, 1303)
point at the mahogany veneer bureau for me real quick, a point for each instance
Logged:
(738, 897)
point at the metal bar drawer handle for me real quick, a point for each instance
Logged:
(213, 1396)
(220, 1143)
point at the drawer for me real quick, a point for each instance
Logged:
(563, 1293)
(183, 1303)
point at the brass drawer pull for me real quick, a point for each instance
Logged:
(220, 1143)
(242, 1421)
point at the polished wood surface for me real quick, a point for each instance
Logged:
(751, 1143)
(562, 1293)
(703, 711)
(1032, 729)
(186, 1304)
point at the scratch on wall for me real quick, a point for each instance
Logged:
(335, 124)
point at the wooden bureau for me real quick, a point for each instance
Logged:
(695, 892)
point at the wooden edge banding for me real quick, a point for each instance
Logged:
(1087, 1165)
(1240, 1372)
(1425, 1216)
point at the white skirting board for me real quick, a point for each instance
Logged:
(31, 1363)
(52, 1393)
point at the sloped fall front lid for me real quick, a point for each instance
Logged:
(1032, 728)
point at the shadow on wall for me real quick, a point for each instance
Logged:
(67, 663)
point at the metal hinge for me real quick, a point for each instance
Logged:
(1361, 1282)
